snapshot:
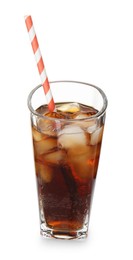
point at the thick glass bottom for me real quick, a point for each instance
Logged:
(63, 234)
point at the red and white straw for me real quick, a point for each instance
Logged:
(40, 63)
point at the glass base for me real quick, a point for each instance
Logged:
(63, 234)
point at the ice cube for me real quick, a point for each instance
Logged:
(69, 108)
(37, 136)
(57, 157)
(48, 127)
(90, 152)
(71, 136)
(85, 124)
(96, 137)
(84, 165)
(45, 145)
(80, 166)
(81, 116)
(92, 127)
(83, 161)
(44, 172)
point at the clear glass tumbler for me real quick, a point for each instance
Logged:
(67, 148)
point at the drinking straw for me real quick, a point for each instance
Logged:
(40, 63)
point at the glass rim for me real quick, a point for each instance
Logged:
(97, 115)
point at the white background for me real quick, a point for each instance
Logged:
(89, 41)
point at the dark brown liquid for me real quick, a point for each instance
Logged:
(65, 172)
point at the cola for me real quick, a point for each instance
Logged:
(67, 146)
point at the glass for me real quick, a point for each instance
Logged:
(66, 153)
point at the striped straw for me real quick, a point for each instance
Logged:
(40, 63)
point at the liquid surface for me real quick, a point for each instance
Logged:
(66, 161)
